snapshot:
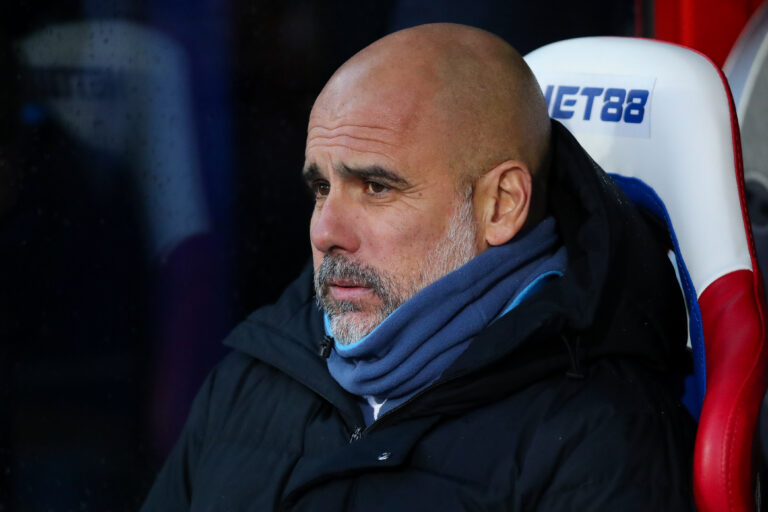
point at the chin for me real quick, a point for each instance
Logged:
(349, 328)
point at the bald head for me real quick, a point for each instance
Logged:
(468, 89)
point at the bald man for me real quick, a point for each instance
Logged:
(488, 324)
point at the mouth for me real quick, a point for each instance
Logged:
(348, 290)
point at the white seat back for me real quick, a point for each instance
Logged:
(654, 119)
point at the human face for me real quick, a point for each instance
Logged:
(455, 248)
(385, 202)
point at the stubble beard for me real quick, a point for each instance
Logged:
(351, 321)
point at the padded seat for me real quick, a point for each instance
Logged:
(660, 119)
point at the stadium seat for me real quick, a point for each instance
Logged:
(660, 119)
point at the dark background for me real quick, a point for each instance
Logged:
(117, 283)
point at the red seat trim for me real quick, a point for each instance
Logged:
(736, 379)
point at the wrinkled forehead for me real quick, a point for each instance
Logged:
(379, 125)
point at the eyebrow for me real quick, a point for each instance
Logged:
(312, 172)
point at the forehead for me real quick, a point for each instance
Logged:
(379, 113)
(351, 144)
(364, 124)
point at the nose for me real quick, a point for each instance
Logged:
(333, 227)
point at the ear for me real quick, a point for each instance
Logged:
(502, 201)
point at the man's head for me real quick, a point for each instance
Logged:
(423, 150)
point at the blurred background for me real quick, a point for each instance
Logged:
(150, 198)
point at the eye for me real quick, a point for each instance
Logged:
(320, 188)
(374, 187)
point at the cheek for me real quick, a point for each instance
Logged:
(403, 241)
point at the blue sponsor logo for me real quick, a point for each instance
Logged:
(608, 104)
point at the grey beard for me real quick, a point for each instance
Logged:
(453, 250)
(382, 285)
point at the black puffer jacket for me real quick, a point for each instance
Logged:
(566, 403)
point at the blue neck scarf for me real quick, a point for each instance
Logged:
(413, 346)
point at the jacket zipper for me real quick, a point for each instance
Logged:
(360, 432)
(356, 435)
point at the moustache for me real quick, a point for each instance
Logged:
(340, 268)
